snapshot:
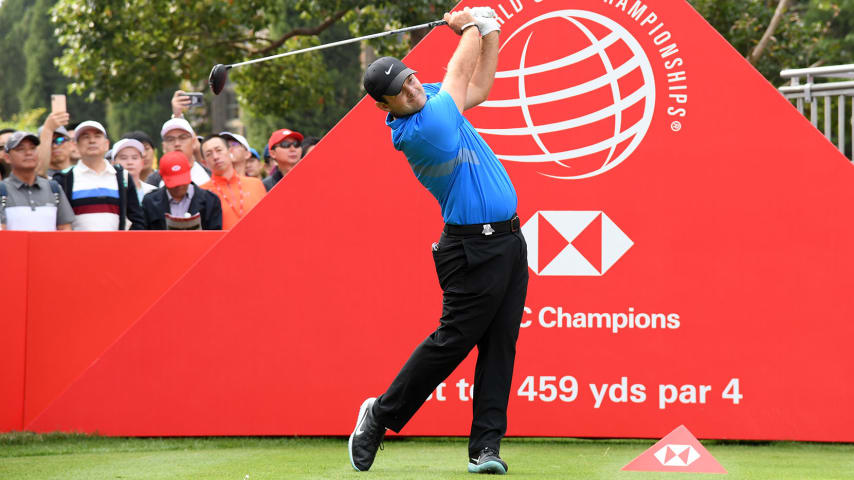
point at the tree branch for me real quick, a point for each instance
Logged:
(302, 31)
(754, 56)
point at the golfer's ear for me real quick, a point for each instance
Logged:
(384, 106)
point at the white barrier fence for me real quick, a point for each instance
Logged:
(821, 97)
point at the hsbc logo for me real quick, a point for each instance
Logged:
(677, 455)
(573, 243)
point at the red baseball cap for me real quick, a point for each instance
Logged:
(282, 134)
(175, 169)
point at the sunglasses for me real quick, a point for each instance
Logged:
(288, 144)
(60, 140)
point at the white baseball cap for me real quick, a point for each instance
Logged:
(176, 124)
(88, 124)
(127, 143)
(237, 138)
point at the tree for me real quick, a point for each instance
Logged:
(41, 78)
(794, 42)
(120, 48)
(12, 30)
(147, 114)
(837, 44)
(769, 32)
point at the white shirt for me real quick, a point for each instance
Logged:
(100, 193)
(143, 189)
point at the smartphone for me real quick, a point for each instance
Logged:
(57, 103)
(196, 99)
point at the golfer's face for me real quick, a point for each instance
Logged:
(410, 99)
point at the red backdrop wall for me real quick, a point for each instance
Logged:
(730, 216)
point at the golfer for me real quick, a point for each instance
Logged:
(481, 256)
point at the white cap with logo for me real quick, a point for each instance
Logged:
(176, 124)
(88, 124)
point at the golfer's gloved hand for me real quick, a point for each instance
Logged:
(485, 12)
(486, 20)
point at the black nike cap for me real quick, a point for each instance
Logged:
(385, 76)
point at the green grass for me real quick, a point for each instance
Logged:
(73, 457)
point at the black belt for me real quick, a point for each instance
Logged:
(506, 226)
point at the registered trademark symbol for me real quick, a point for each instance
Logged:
(676, 126)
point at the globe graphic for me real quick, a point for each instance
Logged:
(573, 96)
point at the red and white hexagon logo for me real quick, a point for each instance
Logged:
(677, 455)
(573, 243)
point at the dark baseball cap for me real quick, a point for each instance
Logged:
(140, 136)
(60, 131)
(19, 137)
(385, 77)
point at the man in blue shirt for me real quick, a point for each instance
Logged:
(481, 257)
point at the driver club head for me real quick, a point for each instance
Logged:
(218, 77)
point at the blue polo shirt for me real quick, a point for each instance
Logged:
(453, 162)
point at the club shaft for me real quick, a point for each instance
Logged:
(342, 42)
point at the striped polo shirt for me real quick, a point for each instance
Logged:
(95, 198)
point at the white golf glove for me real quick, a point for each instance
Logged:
(486, 20)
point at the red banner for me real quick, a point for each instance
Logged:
(689, 238)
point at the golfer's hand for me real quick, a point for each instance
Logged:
(56, 120)
(486, 20)
(458, 20)
(180, 103)
(483, 12)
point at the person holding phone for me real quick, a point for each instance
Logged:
(181, 102)
(54, 150)
(178, 135)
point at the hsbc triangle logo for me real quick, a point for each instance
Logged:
(678, 451)
(573, 243)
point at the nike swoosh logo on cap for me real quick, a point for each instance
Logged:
(389, 69)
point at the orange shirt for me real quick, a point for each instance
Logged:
(237, 195)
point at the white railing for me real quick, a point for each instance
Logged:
(811, 93)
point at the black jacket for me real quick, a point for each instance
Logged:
(128, 209)
(155, 206)
(273, 179)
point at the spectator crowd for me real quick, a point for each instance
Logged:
(70, 177)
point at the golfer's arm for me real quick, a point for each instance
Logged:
(462, 67)
(484, 73)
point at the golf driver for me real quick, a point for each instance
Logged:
(219, 73)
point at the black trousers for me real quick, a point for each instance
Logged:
(484, 280)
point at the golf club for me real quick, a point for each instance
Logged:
(219, 73)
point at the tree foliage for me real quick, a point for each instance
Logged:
(798, 41)
(131, 53)
(121, 48)
(837, 19)
(28, 47)
(12, 30)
